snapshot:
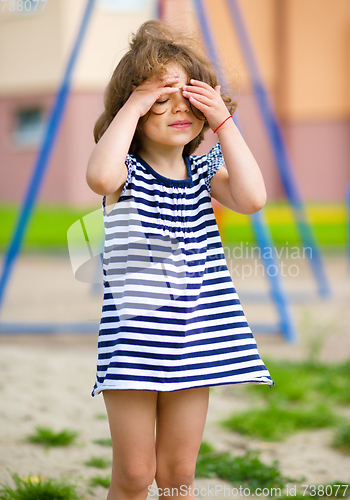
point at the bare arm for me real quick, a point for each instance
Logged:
(106, 170)
(240, 186)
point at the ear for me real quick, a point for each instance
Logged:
(217, 89)
(133, 87)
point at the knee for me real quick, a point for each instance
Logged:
(175, 474)
(133, 477)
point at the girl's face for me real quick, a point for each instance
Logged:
(171, 121)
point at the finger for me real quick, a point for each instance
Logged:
(199, 90)
(202, 106)
(199, 105)
(168, 90)
(199, 83)
(157, 81)
(199, 97)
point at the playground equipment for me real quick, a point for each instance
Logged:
(286, 325)
(280, 151)
(39, 170)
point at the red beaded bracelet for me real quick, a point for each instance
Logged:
(221, 124)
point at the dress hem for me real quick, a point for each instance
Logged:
(258, 381)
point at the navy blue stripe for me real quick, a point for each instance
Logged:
(179, 380)
(186, 298)
(157, 320)
(178, 309)
(190, 286)
(189, 355)
(132, 218)
(169, 368)
(174, 333)
(186, 239)
(149, 186)
(177, 345)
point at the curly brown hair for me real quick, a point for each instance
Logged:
(154, 46)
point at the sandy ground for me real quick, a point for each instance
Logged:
(47, 379)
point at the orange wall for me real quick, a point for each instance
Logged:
(302, 47)
(316, 77)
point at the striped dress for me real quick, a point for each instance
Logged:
(171, 317)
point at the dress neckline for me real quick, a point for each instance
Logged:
(166, 180)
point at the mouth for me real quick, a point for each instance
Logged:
(181, 124)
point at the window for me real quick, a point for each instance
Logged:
(29, 126)
(126, 5)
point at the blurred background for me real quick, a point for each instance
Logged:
(302, 48)
(303, 51)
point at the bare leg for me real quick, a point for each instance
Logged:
(131, 416)
(181, 418)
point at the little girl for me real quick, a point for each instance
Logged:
(172, 324)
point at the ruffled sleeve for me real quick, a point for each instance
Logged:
(130, 162)
(210, 163)
(215, 160)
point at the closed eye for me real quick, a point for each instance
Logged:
(162, 102)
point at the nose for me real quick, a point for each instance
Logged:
(180, 103)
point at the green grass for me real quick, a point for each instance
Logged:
(38, 489)
(342, 439)
(47, 229)
(49, 438)
(305, 396)
(49, 225)
(245, 471)
(98, 462)
(329, 221)
(306, 381)
(275, 422)
(104, 481)
(103, 442)
(101, 416)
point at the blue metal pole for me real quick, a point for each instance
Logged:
(278, 292)
(279, 295)
(161, 9)
(43, 158)
(280, 151)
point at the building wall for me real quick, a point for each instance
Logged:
(30, 76)
(64, 181)
(302, 48)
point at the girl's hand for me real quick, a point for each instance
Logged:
(208, 101)
(145, 95)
